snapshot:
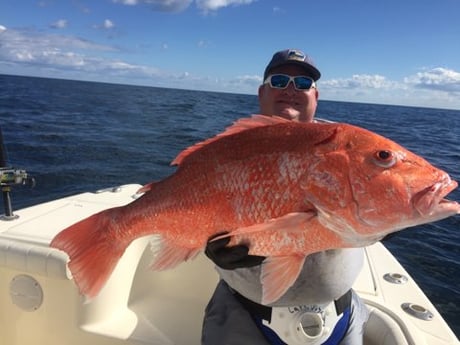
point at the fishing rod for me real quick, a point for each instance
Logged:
(9, 177)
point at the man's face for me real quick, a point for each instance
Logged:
(288, 103)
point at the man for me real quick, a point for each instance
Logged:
(320, 308)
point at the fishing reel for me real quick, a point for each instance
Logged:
(10, 177)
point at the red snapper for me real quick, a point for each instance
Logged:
(286, 189)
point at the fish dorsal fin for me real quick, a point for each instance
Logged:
(240, 125)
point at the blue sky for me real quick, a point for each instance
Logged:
(387, 52)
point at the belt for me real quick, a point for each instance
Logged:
(291, 333)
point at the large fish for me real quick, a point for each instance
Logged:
(286, 189)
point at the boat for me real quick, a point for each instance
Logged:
(40, 304)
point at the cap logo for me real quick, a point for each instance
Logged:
(295, 55)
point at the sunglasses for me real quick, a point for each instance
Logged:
(281, 81)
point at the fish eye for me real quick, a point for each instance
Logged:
(384, 158)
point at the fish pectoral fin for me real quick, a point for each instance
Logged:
(295, 221)
(278, 274)
(168, 255)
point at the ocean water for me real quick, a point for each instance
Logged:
(74, 136)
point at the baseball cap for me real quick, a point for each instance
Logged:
(294, 57)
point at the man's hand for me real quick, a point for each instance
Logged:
(230, 258)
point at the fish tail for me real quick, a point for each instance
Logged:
(94, 247)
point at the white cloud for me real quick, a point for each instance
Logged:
(108, 24)
(437, 87)
(359, 81)
(14, 40)
(46, 55)
(435, 79)
(126, 2)
(440, 78)
(60, 24)
(214, 5)
(253, 80)
(241, 84)
(180, 5)
(159, 5)
(184, 75)
(25, 46)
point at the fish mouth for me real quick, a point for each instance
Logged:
(431, 203)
